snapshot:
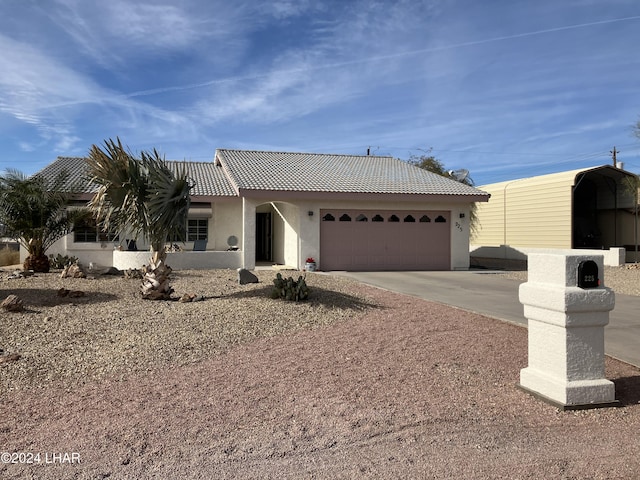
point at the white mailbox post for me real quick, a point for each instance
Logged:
(567, 307)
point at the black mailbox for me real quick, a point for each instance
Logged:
(588, 274)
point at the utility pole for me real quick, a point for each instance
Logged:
(613, 153)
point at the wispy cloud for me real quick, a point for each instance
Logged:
(457, 75)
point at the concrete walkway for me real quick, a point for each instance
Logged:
(486, 293)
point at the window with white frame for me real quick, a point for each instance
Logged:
(197, 229)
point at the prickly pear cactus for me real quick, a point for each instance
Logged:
(290, 289)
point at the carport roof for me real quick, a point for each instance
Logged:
(314, 172)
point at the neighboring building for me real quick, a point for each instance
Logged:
(347, 212)
(590, 208)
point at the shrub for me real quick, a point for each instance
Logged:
(59, 261)
(289, 289)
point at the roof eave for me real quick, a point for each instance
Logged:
(366, 196)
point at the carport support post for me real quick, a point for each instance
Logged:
(566, 332)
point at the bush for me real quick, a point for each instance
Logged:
(59, 261)
(9, 256)
(290, 289)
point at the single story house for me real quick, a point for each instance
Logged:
(348, 212)
(591, 208)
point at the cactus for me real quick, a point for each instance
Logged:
(290, 289)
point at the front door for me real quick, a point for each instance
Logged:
(263, 237)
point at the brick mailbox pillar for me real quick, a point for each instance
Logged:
(567, 307)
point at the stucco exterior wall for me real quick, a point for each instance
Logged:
(225, 222)
(296, 232)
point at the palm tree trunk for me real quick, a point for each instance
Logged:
(155, 283)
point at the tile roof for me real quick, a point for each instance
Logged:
(236, 170)
(313, 172)
(75, 167)
(209, 180)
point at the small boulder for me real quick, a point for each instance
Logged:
(10, 357)
(245, 276)
(12, 304)
(73, 271)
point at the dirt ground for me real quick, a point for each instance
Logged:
(409, 389)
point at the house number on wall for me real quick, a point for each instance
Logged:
(459, 226)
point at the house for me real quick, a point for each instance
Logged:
(591, 208)
(348, 212)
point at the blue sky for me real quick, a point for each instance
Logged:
(504, 88)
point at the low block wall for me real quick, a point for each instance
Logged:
(613, 257)
(123, 260)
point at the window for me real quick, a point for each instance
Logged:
(345, 218)
(377, 218)
(197, 229)
(441, 219)
(394, 218)
(86, 230)
(409, 218)
(328, 218)
(425, 219)
(362, 218)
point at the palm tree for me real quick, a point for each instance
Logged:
(144, 197)
(34, 212)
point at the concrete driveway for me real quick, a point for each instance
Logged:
(489, 294)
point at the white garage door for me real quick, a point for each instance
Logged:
(361, 240)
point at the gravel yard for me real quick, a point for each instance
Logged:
(624, 280)
(356, 382)
(112, 332)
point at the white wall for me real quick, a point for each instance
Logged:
(614, 257)
(226, 222)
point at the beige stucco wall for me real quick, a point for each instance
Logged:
(296, 234)
(226, 222)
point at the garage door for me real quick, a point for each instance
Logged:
(361, 240)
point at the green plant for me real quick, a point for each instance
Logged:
(59, 261)
(290, 289)
(33, 211)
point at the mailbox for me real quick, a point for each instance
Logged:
(588, 274)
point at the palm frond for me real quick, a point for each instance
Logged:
(142, 196)
(33, 210)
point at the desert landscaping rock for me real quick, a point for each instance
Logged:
(12, 303)
(356, 382)
(245, 277)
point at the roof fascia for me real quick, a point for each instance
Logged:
(395, 197)
(218, 162)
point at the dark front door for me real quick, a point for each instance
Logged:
(263, 237)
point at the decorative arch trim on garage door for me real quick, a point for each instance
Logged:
(361, 240)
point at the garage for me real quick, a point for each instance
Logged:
(369, 240)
